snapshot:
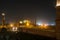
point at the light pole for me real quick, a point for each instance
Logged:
(3, 19)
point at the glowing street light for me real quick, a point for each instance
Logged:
(3, 14)
(11, 25)
(20, 22)
(46, 25)
(14, 29)
(52, 24)
(26, 21)
(39, 24)
(27, 24)
(58, 3)
(43, 26)
(3, 19)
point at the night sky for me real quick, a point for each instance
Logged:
(28, 9)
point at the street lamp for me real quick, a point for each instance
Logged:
(26, 21)
(3, 14)
(11, 25)
(14, 29)
(20, 22)
(3, 19)
(27, 24)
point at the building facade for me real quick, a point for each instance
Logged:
(58, 20)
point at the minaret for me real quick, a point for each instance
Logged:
(3, 19)
(58, 19)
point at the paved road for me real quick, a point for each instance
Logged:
(49, 33)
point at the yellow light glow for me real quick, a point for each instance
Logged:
(43, 26)
(46, 25)
(3, 14)
(58, 3)
(11, 25)
(20, 22)
(26, 21)
(14, 29)
(27, 24)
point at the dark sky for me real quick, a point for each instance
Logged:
(31, 9)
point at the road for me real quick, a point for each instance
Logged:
(48, 33)
(9, 35)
